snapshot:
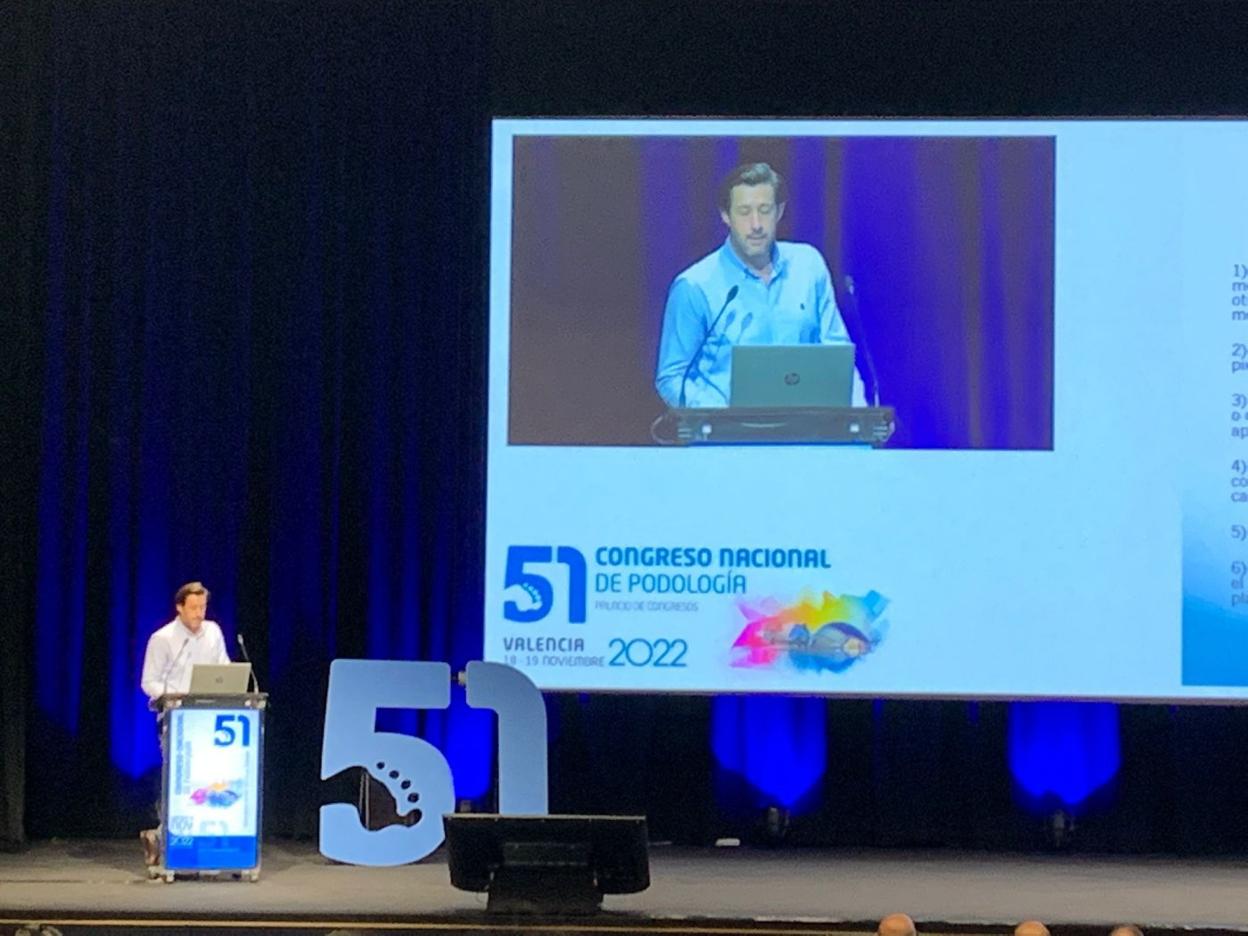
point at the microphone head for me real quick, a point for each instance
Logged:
(238, 638)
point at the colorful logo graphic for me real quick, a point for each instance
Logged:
(827, 634)
(218, 794)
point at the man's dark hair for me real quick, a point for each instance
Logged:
(751, 174)
(190, 588)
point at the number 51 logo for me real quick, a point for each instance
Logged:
(414, 771)
(528, 596)
(224, 733)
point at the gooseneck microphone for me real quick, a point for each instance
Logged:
(862, 349)
(242, 647)
(174, 662)
(732, 294)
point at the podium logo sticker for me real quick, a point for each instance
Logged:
(220, 795)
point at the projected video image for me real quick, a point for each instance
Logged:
(1049, 316)
(654, 274)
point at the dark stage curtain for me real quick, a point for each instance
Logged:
(250, 247)
(264, 348)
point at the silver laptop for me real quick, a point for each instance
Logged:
(792, 375)
(220, 678)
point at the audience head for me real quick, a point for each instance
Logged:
(896, 924)
(1127, 929)
(1031, 928)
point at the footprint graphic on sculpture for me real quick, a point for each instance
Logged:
(400, 788)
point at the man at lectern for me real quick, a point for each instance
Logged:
(185, 641)
(171, 653)
(752, 290)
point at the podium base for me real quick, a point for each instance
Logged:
(169, 875)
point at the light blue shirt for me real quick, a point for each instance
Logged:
(173, 651)
(797, 306)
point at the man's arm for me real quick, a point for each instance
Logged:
(684, 327)
(155, 663)
(832, 328)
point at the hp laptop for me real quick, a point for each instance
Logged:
(220, 678)
(782, 376)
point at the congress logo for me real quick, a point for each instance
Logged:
(530, 578)
(830, 633)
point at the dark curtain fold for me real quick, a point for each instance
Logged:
(24, 45)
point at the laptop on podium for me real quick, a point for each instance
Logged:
(796, 376)
(220, 678)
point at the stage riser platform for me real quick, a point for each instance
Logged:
(102, 887)
(155, 927)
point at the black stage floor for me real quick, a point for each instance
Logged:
(101, 886)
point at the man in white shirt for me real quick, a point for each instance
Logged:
(186, 640)
(171, 653)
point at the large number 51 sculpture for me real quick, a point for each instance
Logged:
(412, 769)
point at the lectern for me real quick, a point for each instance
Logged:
(811, 425)
(212, 781)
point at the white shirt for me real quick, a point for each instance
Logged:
(173, 650)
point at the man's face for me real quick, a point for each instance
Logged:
(751, 219)
(192, 611)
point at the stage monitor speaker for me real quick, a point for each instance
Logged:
(547, 864)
